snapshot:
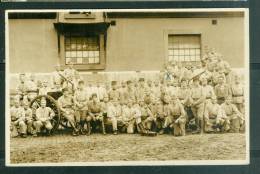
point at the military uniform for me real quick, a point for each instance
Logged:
(66, 105)
(29, 120)
(176, 117)
(214, 117)
(95, 114)
(114, 94)
(234, 117)
(81, 106)
(128, 119)
(43, 117)
(112, 114)
(197, 98)
(237, 91)
(222, 91)
(18, 125)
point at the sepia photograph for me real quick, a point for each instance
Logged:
(127, 87)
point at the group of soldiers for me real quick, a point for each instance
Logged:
(207, 98)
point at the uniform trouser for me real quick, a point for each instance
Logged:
(30, 128)
(198, 112)
(178, 124)
(159, 122)
(70, 117)
(148, 122)
(112, 121)
(98, 119)
(235, 123)
(42, 124)
(22, 128)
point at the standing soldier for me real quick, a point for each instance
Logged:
(81, 106)
(141, 90)
(71, 77)
(234, 117)
(66, 105)
(209, 91)
(197, 100)
(176, 117)
(123, 93)
(95, 114)
(222, 90)
(237, 90)
(45, 88)
(114, 94)
(22, 87)
(131, 92)
(32, 88)
(57, 79)
(18, 126)
(44, 115)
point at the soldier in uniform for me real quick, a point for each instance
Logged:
(208, 89)
(95, 114)
(128, 117)
(114, 94)
(141, 90)
(45, 88)
(237, 90)
(112, 115)
(234, 117)
(32, 88)
(44, 115)
(66, 105)
(18, 126)
(197, 100)
(71, 75)
(160, 116)
(214, 117)
(222, 90)
(57, 80)
(146, 115)
(81, 106)
(131, 92)
(123, 95)
(22, 87)
(176, 117)
(28, 118)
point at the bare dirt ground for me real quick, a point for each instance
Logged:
(97, 147)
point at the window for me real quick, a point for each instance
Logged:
(184, 48)
(82, 50)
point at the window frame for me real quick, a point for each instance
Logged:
(168, 32)
(102, 54)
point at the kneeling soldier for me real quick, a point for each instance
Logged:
(43, 116)
(233, 115)
(95, 114)
(18, 126)
(81, 106)
(176, 117)
(28, 118)
(66, 104)
(213, 116)
(112, 115)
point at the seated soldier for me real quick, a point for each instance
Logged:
(146, 115)
(234, 117)
(213, 116)
(44, 115)
(128, 118)
(18, 126)
(95, 114)
(81, 106)
(28, 118)
(111, 115)
(175, 116)
(66, 104)
(160, 116)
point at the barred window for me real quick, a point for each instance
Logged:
(184, 48)
(82, 50)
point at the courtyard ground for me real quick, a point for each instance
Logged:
(123, 147)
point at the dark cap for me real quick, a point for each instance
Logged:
(141, 79)
(94, 95)
(128, 81)
(113, 82)
(65, 89)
